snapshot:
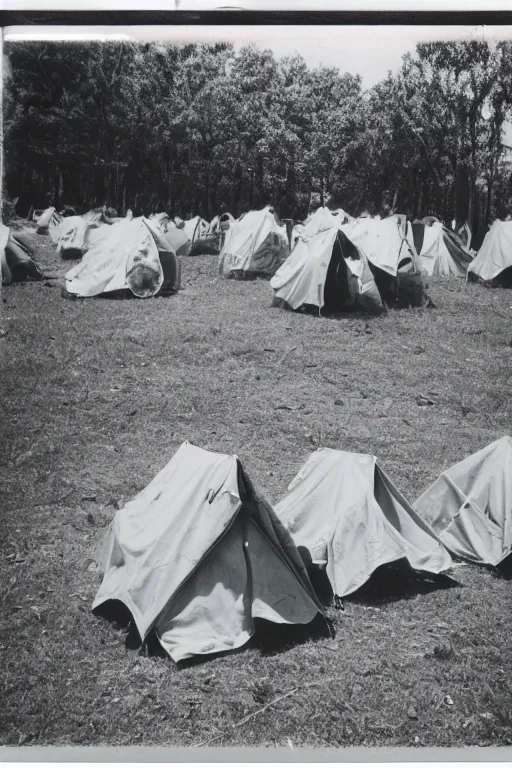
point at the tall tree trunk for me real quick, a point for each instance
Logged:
(56, 188)
(420, 199)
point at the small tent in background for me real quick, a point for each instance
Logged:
(325, 269)
(221, 223)
(16, 257)
(494, 259)
(73, 234)
(440, 251)
(345, 515)
(178, 240)
(256, 244)
(69, 235)
(126, 259)
(388, 245)
(94, 217)
(198, 555)
(195, 228)
(207, 238)
(47, 217)
(212, 241)
(470, 505)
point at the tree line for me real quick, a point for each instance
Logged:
(203, 129)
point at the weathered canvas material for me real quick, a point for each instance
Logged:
(127, 257)
(346, 515)
(495, 255)
(198, 555)
(470, 505)
(256, 244)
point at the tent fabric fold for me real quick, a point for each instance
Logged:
(126, 258)
(70, 236)
(440, 252)
(345, 515)
(174, 238)
(198, 555)
(323, 268)
(470, 505)
(255, 244)
(196, 227)
(495, 254)
(385, 242)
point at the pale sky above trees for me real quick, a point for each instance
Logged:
(364, 50)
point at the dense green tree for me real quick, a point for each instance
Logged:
(205, 128)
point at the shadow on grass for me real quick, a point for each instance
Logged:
(397, 581)
(123, 294)
(268, 638)
(389, 583)
(504, 569)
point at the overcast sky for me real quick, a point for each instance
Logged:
(364, 50)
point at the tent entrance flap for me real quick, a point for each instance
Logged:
(337, 293)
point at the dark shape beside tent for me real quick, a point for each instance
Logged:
(470, 505)
(348, 518)
(16, 257)
(198, 555)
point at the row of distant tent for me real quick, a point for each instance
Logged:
(140, 254)
(334, 258)
(198, 554)
(331, 259)
(75, 235)
(339, 261)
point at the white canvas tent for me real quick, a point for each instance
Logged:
(325, 269)
(495, 255)
(440, 252)
(198, 555)
(74, 235)
(196, 227)
(345, 515)
(126, 258)
(69, 235)
(254, 245)
(385, 242)
(176, 237)
(470, 505)
(44, 219)
(388, 245)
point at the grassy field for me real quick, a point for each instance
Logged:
(96, 396)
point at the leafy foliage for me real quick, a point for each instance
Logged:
(200, 129)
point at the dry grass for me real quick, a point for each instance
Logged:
(96, 396)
